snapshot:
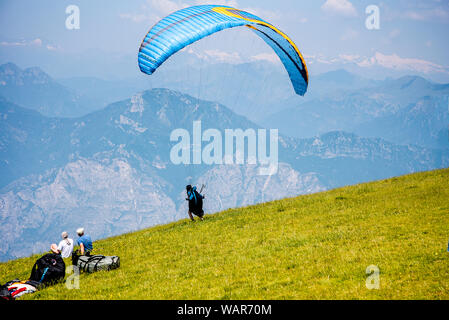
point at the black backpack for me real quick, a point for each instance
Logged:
(48, 269)
(196, 204)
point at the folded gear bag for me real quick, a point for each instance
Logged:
(97, 263)
(18, 289)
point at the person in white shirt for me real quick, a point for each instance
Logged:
(65, 246)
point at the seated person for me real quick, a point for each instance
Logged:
(65, 246)
(85, 242)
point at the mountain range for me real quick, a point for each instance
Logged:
(110, 169)
(408, 110)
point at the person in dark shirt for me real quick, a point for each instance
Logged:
(195, 202)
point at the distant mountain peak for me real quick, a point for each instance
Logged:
(35, 71)
(339, 75)
(11, 74)
(332, 136)
(412, 80)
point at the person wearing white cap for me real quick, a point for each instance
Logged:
(65, 246)
(84, 241)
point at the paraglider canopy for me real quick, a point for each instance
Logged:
(188, 25)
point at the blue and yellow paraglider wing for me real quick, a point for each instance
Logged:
(179, 30)
(290, 57)
(188, 25)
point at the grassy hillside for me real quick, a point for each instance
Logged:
(311, 247)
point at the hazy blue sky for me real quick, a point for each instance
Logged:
(331, 33)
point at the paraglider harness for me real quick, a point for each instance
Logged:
(48, 269)
(195, 199)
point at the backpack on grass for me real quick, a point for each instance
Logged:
(48, 269)
(96, 263)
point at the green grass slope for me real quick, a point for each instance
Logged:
(315, 246)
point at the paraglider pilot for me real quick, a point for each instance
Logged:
(195, 202)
